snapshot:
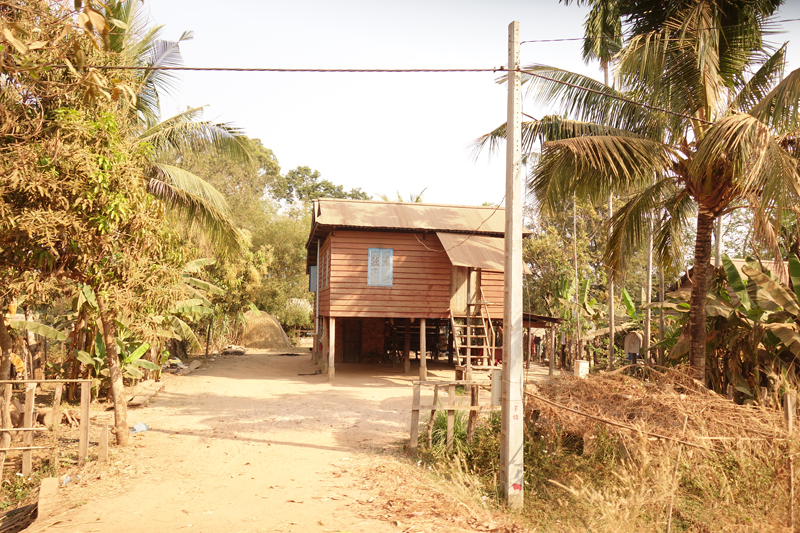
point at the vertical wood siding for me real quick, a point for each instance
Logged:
(492, 285)
(421, 277)
(324, 293)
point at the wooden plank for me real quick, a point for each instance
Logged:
(26, 448)
(389, 312)
(451, 417)
(139, 388)
(332, 350)
(433, 415)
(102, 452)
(389, 294)
(473, 414)
(423, 350)
(389, 302)
(55, 418)
(410, 289)
(27, 422)
(407, 347)
(414, 438)
(83, 440)
(789, 409)
(409, 268)
(463, 382)
(454, 407)
(146, 393)
(40, 381)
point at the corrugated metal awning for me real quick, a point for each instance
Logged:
(476, 251)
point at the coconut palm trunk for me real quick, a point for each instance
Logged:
(700, 278)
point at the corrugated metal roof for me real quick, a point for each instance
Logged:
(476, 251)
(391, 215)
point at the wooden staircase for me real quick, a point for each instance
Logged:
(474, 338)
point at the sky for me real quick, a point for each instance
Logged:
(383, 133)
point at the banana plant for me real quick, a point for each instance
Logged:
(754, 331)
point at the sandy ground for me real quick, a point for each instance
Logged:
(250, 444)
(247, 444)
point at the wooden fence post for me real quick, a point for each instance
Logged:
(332, 352)
(423, 348)
(83, 442)
(731, 390)
(27, 439)
(407, 347)
(433, 415)
(451, 416)
(55, 417)
(789, 409)
(412, 445)
(473, 414)
(102, 453)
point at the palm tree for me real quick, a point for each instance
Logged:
(704, 110)
(137, 43)
(412, 198)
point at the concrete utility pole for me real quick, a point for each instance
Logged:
(511, 463)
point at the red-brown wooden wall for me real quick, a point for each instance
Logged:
(421, 277)
(492, 286)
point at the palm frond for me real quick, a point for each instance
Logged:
(744, 146)
(184, 132)
(599, 104)
(594, 166)
(780, 109)
(549, 128)
(602, 31)
(757, 87)
(631, 224)
(196, 201)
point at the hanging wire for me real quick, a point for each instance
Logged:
(302, 70)
(604, 36)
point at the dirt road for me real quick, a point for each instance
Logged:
(246, 444)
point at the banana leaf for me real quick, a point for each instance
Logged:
(137, 353)
(84, 358)
(144, 363)
(193, 311)
(630, 307)
(718, 307)
(39, 329)
(204, 285)
(788, 335)
(198, 264)
(736, 283)
(184, 332)
(794, 273)
(783, 298)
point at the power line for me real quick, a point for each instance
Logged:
(397, 71)
(299, 70)
(603, 36)
(616, 97)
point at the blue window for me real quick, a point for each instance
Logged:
(379, 272)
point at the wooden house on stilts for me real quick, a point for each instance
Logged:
(392, 278)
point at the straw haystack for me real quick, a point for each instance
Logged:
(262, 331)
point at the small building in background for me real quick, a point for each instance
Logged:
(391, 278)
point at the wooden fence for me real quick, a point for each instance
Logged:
(451, 407)
(29, 424)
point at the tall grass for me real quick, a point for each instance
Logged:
(599, 482)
